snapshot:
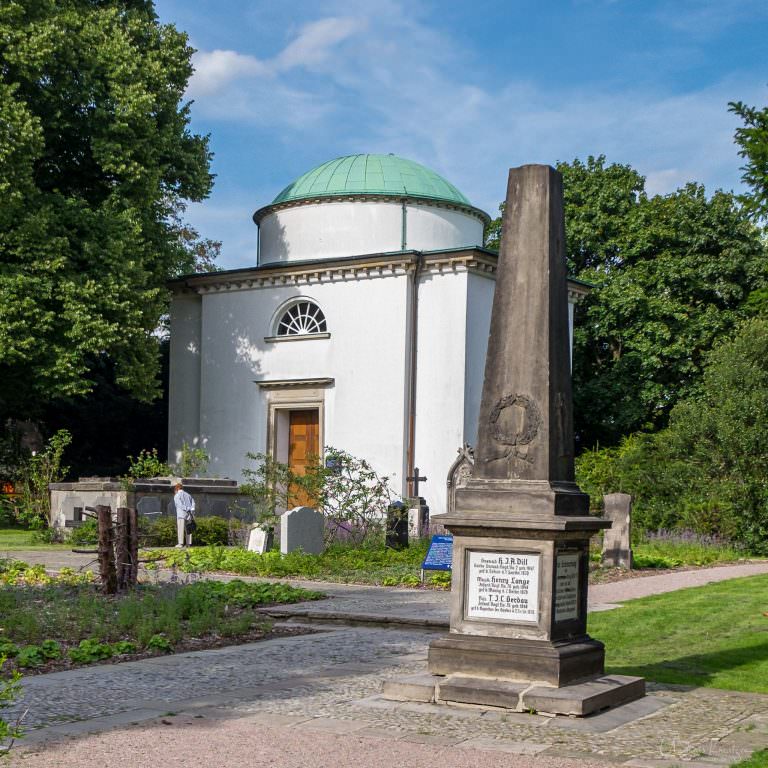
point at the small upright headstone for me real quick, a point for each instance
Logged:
(259, 540)
(397, 526)
(617, 540)
(302, 528)
(149, 505)
(459, 474)
(418, 519)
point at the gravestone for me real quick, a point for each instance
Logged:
(418, 520)
(302, 528)
(459, 474)
(149, 505)
(617, 541)
(521, 525)
(396, 536)
(259, 539)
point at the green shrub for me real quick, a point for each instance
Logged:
(91, 650)
(159, 643)
(124, 647)
(211, 531)
(8, 649)
(30, 656)
(87, 533)
(50, 649)
(161, 532)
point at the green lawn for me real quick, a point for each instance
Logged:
(714, 636)
(20, 538)
(758, 760)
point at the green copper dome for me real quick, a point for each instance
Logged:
(372, 175)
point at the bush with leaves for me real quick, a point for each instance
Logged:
(346, 489)
(706, 471)
(193, 461)
(35, 474)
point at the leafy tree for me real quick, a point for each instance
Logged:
(96, 163)
(685, 269)
(752, 139)
(671, 274)
(706, 471)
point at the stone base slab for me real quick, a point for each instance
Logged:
(579, 699)
(509, 659)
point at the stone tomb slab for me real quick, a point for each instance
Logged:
(302, 528)
(576, 700)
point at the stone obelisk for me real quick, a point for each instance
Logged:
(521, 525)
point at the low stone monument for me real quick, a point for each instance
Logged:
(617, 540)
(302, 528)
(521, 525)
(396, 534)
(259, 539)
(459, 474)
(418, 520)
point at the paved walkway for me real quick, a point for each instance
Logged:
(313, 700)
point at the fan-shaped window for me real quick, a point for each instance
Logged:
(301, 319)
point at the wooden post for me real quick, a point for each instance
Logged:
(133, 545)
(106, 550)
(122, 555)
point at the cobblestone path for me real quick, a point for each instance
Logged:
(331, 680)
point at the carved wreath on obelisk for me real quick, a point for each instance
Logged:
(519, 439)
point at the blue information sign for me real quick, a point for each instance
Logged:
(440, 554)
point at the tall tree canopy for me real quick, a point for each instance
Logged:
(96, 164)
(671, 274)
(752, 139)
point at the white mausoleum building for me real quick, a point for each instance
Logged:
(363, 326)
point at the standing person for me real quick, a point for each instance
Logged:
(185, 506)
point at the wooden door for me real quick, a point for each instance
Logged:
(303, 447)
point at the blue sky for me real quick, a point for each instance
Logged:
(468, 89)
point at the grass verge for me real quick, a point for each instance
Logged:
(58, 623)
(20, 538)
(757, 760)
(714, 636)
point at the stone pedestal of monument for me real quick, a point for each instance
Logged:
(521, 525)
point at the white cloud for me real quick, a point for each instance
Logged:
(315, 42)
(383, 80)
(216, 69)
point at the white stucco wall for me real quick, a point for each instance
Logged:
(184, 373)
(330, 230)
(440, 381)
(364, 408)
(339, 228)
(429, 228)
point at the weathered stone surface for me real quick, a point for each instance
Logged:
(458, 689)
(418, 521)
(516, 660)
(521, 525)
(302, 528)
(526, 423)
(458, 474)
(258, 540)
(617, 542)
(412, 688)
(585, 698)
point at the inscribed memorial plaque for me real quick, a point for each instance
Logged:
(567, 587)
(502, 585)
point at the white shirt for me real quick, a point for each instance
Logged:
(184, 504)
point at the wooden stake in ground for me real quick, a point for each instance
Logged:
(122, 555)
(106, 550)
